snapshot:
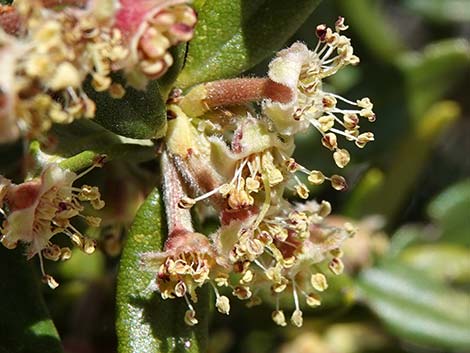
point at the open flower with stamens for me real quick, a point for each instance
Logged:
(151, 27)
(45, 67)
(42, 207)
(183, 266)
(303, 71)
(230, 173)
(281, 254)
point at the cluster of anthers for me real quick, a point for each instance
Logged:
(49, 52)
(42, 207)
(239, 160)
(151, 29)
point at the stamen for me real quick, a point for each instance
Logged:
(257, 262)
(343, 99)
(339, 132)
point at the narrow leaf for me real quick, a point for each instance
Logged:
(417, 308)
(234, 35)
(145, 322)
(25, 325)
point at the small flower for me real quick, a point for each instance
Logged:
(223, 304)
(303, 71)
(183, 266)
(45, 67)
(279, 318)
(151, 27)
(42, 207)
(190, 317)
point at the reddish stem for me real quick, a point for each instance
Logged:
(178, 219)
(243, 90)
(54, 3)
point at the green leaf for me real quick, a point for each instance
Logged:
(198, 4)
(145, 322)
(416, 307)
(139, 114)
(441, 10)
(234, 35)
(90, 141)
(25, 325)
(451, 210)
(438, 67)
(167, 82)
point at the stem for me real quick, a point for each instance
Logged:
(233, 92)
(178, 219)
(54, 3)
(134, 152)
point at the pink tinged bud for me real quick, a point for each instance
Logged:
(131, 14)
(321, 32)
(10, 20)
(24, 195)
(184, 241)
(153, 43)
(182, 31)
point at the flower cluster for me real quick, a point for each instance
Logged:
(48, 54)
(150, 28)
(239, 161)
(42, 207)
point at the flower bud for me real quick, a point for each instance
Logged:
(223, 304)
(279, 318)
(318, 281)
(296, 318)
(190, 317)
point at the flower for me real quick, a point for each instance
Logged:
(183, 266)
(303, 71)
(42, 207)
(48, 54)
(279, 255)
(46, 66)
(239, 161)
(150, 28)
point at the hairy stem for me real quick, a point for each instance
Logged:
(178, 219)
(232, 92)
